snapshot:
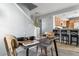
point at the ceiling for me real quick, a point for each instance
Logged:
(71, 14)
(45, 8)
(30, 6)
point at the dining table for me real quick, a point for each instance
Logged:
(26, 44)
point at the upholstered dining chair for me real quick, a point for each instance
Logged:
(10, 45)
(46, 43)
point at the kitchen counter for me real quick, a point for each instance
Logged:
(68, 31)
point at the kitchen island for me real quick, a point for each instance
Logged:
(75, 32)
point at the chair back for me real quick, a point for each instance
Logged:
(10, 45)
(6, 46)
(48, 40)
(56, 32)
(74, 32)
(50, 35)
(64, 32)
(31, 38)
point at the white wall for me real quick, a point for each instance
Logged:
(47, 23)
(13, 21)
(76, 25)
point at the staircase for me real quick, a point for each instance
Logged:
(27, 13)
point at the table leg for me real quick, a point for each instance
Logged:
(55, 46)
(27, 52)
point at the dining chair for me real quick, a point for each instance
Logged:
(46, 43)
(28, 39)
(31, 38)
(10, 45)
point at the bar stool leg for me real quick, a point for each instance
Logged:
(77, 42)
(70, 40)
(67, 41)
(63, 39)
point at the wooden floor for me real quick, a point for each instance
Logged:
(64, 46)
(63, 50)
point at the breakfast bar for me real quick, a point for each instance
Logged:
(67, 33)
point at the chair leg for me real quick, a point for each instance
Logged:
(52, 51)
(45, 49)
(37, 50)
(41, 50)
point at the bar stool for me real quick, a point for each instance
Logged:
(56, 33)
(74, 34)
(64, 35)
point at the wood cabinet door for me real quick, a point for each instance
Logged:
(57, 21)
(71, 24)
